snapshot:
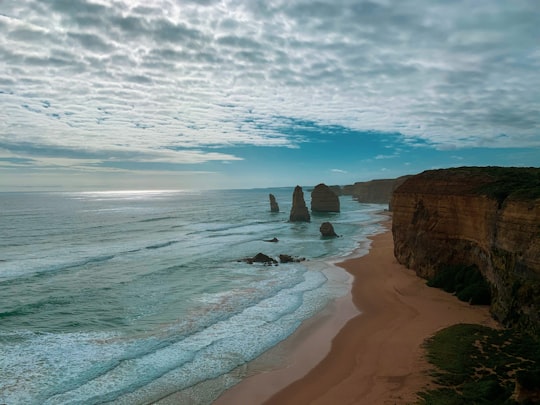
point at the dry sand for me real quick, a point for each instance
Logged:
(377, 356)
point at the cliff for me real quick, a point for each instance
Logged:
(483, 217)
(376, 191)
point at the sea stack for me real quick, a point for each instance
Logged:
(274, 207)
(323, 199)
(299, 211)
(327, 230)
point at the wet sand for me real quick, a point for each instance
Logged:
(377, 356)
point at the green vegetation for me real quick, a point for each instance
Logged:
(465, 281)
(479, 365)
(521, 183)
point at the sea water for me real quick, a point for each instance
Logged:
(127, 297)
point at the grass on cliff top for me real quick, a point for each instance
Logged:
(520, 183)
(475, 364)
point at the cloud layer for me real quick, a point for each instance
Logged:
(176, 81)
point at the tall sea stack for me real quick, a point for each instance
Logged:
(274, 207)
(299, 211)
(323, 199)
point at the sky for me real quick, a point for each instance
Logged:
(170, 94)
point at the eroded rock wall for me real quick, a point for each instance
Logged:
(442, 217)
(376, 191)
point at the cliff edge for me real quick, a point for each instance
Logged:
(376, 191)
(486, 217)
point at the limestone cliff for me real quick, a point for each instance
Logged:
(486, 217)
(323, 199)
(299, 211)
(376, 191)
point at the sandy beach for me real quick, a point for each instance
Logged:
(376, 357)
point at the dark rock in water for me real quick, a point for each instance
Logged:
(323, 199)
(299, 211)
(327, 229)
(274, 207)
(260, 258)
(272, 240)
(290, 259)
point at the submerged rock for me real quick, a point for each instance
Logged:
(327, 229)
(272, 240)
(274, 207)
(299, 211)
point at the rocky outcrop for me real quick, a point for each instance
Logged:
(336, 189)
(483, 217)
(261, 258)
(274, 207)
(290, 259)
(376, 191)
(323, 199)
(299, 211)
(327, 230)
(347, 189)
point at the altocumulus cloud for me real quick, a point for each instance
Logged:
(174, 81)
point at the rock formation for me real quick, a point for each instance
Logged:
(336, 189)
(274, 207)
(327, 229)
(299, 211)
(323, 199)
(484, 217)
(290, 259)
(376, 191)
(260, 258)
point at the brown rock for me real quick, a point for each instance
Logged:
(487, 217)
(290, 259)
(376, 191)
(323, 199)
(327, 229)
(260, 258)
(299, 211)
(274, 207)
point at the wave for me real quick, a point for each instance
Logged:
(162, 245)
(35, 307)
(222, 332)
(16, 277)
(156, 219)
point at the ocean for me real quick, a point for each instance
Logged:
(126, 297)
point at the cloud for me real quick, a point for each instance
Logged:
(339, 171)
(378, 157)
(166, 81)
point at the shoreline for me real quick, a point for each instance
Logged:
(365, 347)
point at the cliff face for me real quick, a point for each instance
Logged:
(488, 217)
(376, 191)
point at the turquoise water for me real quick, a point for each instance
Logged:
(126, 297)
